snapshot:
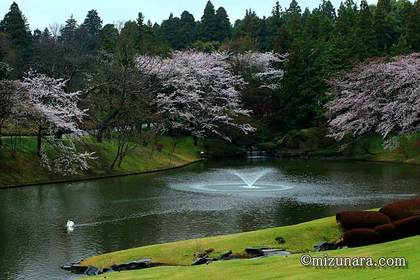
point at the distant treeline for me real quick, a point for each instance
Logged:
(320, 43)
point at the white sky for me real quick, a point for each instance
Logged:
(42, 13)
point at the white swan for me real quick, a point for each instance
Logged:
(70, 225)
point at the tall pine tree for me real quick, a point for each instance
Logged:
(208, 26)
(20, 38)
(365, 32)
(413, 27)
(223, 26)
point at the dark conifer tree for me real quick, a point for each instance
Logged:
(223, 26)
(188, 30)
(109, 38)
(208, 29)
(365, 32)
(382, 28)
(69, 31)
(90, 31)
(413, 27)
(15, 26)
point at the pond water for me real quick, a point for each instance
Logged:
(201, 200)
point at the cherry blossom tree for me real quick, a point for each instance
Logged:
(378, 97)
(46, 101)
(262, 67)
(200, 93)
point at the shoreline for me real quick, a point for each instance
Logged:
(133, 173)
(100, 177)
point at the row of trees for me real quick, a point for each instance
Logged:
(135, 80)
(320, 43)
(189, 92)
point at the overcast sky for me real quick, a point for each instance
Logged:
(42, 13)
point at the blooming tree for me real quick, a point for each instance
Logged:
(52, 104)
(200, 93)
(377, 97)
(262, 67)
(52, 107)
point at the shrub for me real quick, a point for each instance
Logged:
(402, 209)
(408, 227)
(361, 219)
(386, 232)
(159, 147)
(360, 237)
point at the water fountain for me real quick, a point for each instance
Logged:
(250, 178)
(252, 181)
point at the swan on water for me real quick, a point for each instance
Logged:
(70, 225)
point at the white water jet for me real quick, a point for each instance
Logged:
(250, 177)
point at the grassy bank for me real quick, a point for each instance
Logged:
(299, 238)
(313, 143)
(21, 165)
(290, 267)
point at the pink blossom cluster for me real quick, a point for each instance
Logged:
(200, 92)
(380, 96)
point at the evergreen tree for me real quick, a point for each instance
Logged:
(169, 32)
(292, 87)
(413, 27)
(69, 31)
(294, 19)
(90, 31)
(37, 34)
(208, 24)
(109, 38)
(188, 30)
(249, 26)
(223, 26)
(283, 40)
(277, 11)
(20, 38)
(382, 28)
(46, 34)
(365, 32)
(327, 20)
(127, 44)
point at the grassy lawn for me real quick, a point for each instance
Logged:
(290, 267)
(22, 166)
(299, 238)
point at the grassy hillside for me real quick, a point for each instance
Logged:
(22, 166)
(290, 267)
(299, 238)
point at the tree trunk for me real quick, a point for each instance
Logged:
(195, 140)
(100, 135)
(39, 141)
(116, 158)
(1, 140)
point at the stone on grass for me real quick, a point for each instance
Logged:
(325, 246)
(275, 252)
(200, 261)
(92, 271)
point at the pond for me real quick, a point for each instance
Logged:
(204, 199)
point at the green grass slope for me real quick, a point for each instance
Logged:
(291, 268)
(299, 238)
(21, 165)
